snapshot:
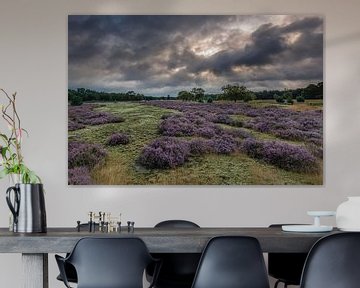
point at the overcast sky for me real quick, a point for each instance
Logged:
(161, 55)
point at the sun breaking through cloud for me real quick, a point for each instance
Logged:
(162, 55)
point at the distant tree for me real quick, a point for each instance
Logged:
(88, 95)
(236, 92)
(279, 98)
(300, 99)
(314, 91)
(288, 97)
(249, 96)
(212, 97)
(303, 94)
(81, 91)
(130, 94)
(267, 94)
(297, 92)
(76, 100)
(184, 95)
(71, 94)
(139, 97)
(198, 94)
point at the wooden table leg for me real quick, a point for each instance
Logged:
(35, 270)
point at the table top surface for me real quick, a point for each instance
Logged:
(158, 240)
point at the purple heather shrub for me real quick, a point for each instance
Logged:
(304, 126)
(252, 113)
(316, 150)
(226, 119)
(262, 127)
(287, 124)
(239, 133)
(280, 154)
(206, 114)
(200, 146)
(313, 134)
(223, 119)
(297, 135)
(311, 120)
(165, 152)
(79, 176)
(86, 115)
(72, 126)
(206, 132)
(205, 110)
(316, 141)
(176, 125)
(289, 134)
(253, 148)
(84, 154)
(193, 119)
(187, 124)
(289, 157)
(118, 139)
(224, 145)
(99, 118)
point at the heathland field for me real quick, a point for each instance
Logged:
(178, 142)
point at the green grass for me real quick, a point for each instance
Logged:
(141, 124)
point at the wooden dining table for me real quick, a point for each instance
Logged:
(35, 247)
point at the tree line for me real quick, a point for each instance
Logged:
(312, 91)
(230, 92)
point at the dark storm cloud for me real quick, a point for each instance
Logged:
(169, 53)
(268, 46)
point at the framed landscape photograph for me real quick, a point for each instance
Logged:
(195, 100)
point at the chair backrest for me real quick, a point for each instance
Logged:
(176, 224)
(178, 269)
(232, 262)
(333, 262)
(110, 262)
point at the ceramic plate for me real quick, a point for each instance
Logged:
(306, 228)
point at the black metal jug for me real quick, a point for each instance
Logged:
(28, 208)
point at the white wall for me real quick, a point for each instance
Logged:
(33, 62)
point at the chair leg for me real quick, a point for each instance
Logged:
(278, 282)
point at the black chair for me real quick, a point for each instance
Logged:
(178, 269)
(232, 262)
(333, 262)
(286, 267)
(108, 263)
(69, 269)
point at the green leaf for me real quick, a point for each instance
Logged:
(33, 178)
(3, 151)
(4, 137)
(27, 133)
(28, 176)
